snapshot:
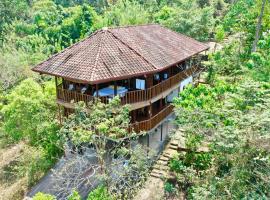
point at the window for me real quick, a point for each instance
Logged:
(156, 77)
(165, 76)
(140, 84)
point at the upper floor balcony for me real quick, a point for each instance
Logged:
(136, 98)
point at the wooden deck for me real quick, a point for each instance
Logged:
(131, 97)
(147, 125)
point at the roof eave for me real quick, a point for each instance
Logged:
(92, 82)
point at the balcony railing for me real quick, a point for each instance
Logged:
(131, 96)
(149, 124)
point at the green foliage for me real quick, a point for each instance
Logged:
(125, 12)
(169, 188)
(99, 193)
(220, 34)
(188, 19)
(176, 165)
(42, 196)
(236, 151)
(105, 121)
(74, 196)
(203, 96)
(30, 115)
(11, 9)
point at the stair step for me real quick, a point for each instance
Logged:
(174, 143)
(164, 158)
(155, 175)
(157, 171)
(162, 162)
(174, 147)
(161, 167)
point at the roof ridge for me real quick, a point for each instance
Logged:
(100, 47)
(132, 49)
(128, 26)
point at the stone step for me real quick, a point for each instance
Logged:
(170, 154)
(161, 167)
(156, 175)
(157, 171)
(174, 143)
(164, 158)
(173, 147)
(162, 162)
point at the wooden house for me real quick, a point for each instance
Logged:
(146, 65)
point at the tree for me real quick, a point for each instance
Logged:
(258, 27)
(30, 115)
(188, 19)
(105, 121)
(125, 12)
(106, 127)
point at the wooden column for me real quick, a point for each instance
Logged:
(148, 140)
(60, 115)
(56, 84)
(115, 88)
(160, 103)
(97, 90)
(149, 81)
(92, 90)
(134, 115)
(150, 110)
(161, 132)
(128, 83)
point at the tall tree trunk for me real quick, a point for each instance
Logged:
(258, 28)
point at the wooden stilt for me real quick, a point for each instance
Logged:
(97, 91)
(161, 132)
(115, 88)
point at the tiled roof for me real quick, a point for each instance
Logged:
(117, 53)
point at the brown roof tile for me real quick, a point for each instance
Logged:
(115, 53)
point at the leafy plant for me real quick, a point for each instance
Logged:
(99, 193)
(169, 188)
(42, 196)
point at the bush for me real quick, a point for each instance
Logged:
(100, 193)
(42, 196)
(169, 189)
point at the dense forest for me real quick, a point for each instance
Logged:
(231, 112)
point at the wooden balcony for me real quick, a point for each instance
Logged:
(152, 122)
(130, 97)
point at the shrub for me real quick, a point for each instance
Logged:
(42, 196)
(100, 193)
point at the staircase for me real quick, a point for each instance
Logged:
(161, 168)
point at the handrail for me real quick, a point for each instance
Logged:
(149, 124)
(131, 96)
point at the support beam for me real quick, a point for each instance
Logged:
(56, 85)
(149, 81)
(115, 88)
(160, 103)
(161, 132)
(60, 115)
(97, 90)
(128, 83)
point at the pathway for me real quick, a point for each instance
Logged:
(154, 186)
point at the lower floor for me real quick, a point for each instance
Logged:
(60, 181)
